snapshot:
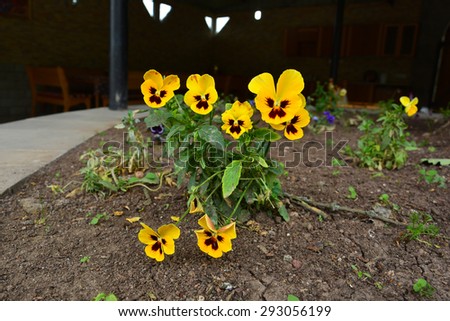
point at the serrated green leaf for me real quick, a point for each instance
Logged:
(231, 177)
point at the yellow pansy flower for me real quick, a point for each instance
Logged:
(202, 93)
(236, 121)
(212, 241)
(157, 90)
(410, 105)
(278, 105)
(293, 128)
(195, 206)
(159, 243)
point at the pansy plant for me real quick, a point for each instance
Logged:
(223, 149)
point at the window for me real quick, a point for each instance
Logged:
(399, 40)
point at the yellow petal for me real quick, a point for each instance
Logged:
(303, 118)
(118, 213)
(411, 110)
(262, 82)
(169, 231)
(155, 76)
(290, 83)
(243, 107)
(145, 235)
(171, 83)
(228, 230)
(168, 246)
(278, 126)
(206, 223)
(405, 101)
(133, 219)
(195, 206)
(415, 101)
(175, 218)
(157, 254)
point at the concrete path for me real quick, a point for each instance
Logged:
(29, 144)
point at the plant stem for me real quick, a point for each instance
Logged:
(239, 201)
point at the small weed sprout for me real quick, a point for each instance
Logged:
(420, 225)
(352, 193)
(105, 297)
(423, 288)
(432, 177)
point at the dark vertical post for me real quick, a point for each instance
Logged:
(118, 55)
(337, 36)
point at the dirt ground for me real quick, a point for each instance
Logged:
(45, 236)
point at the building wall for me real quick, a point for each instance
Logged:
(58, 33)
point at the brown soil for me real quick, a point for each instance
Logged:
(44, 236)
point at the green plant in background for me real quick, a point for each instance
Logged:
(420, 225)
(432, 177)
(324, 103)
(117, 167)
(423, 288)
(384, 143)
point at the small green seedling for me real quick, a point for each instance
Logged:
(352, 193)
(423, 288)
(292, 297)
(336, 172)
(384, 198)
(105, 297)
(85, 259)
(96, 219)
(361, 274)
(431, 177)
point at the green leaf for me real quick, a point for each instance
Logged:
(292, 297)
(266, 134)
(156, 117)
(262, 162)
(352, 193)
(211, 134)
(283, 213)
(436, 161)
(231, 177)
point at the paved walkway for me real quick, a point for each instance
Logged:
(29, 144)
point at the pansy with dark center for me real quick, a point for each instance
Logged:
(157, 90)
(159, 243)
(212, 241)
(201, 94)
(278, 105)
(236, 121)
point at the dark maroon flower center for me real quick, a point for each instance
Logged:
(202, 103)
(277, 110)
(213, 241)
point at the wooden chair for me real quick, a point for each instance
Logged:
(49, 85)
